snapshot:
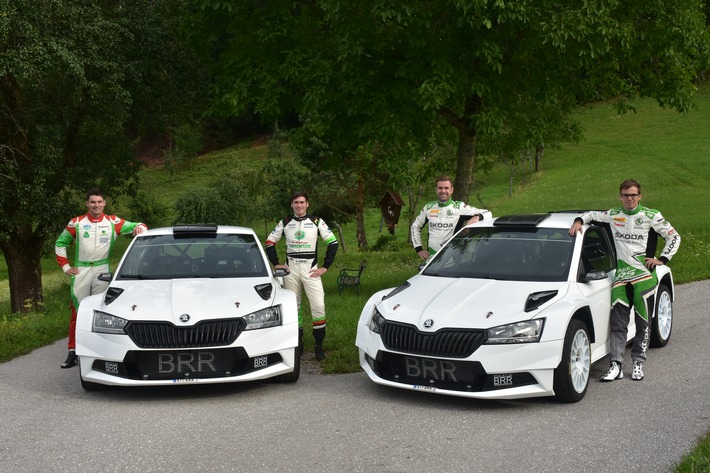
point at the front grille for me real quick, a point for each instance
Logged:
(450, 343)
(208, 333)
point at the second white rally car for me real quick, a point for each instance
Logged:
(509, 308)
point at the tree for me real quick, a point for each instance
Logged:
(344, 181)
(266, 62)
(375, 72)
(78, 82)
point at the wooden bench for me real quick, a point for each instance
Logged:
(350, 278)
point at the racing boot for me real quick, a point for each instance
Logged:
(71, 360)
(637, 373)
(318, 336)
(615, 372)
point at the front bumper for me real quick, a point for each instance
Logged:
(491, 372)
(256, 354)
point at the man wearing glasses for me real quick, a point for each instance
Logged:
(635, 281)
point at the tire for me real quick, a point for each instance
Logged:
(571, 377)
(662, 322)
(293, 376)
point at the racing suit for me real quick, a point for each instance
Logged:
(442, 218)
(301, 257)
(94, 241)
(634, 284)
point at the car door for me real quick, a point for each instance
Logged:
(598, 255)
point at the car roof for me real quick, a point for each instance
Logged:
(554, 219)
(199, 229)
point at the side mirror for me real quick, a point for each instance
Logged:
(106, 277)
(595, 276)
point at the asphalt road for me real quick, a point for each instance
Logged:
(345, 423)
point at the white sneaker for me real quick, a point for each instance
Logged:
(637, 373)
(614, 372)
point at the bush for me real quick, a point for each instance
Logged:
(389, 243)
(146, 208)
(202, 206)
(228, 200)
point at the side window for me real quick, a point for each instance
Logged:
(596, 251)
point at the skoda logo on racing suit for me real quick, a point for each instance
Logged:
(627, 236)
(300, 234)
(440, 225)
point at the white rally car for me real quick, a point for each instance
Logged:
(509, 308)
(189, 304)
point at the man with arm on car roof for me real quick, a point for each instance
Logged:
(635, 281)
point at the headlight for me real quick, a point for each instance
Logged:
(376, 321)
(529, 331)
(269, 317)
(107, 323)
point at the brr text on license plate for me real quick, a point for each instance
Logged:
(186, 362)
(503, 379)
(427, 368)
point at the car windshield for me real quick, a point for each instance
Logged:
(519, 254)
(200, 256)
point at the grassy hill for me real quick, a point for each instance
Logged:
(668, 153)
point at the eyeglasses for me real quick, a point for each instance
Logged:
(630, 196)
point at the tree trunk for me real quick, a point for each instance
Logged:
(539, 151)
(412, 210)
(464, 165)
(510, 167)
(466, 153)
(25, 273)
(360, 214)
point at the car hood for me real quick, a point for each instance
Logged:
(200, 299)
(471, 303)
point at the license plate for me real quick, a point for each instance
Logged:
(187, 362)
(434, 370)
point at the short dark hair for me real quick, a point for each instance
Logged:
(95, 191)
(442, 178)
(298, 194)
(629, 183)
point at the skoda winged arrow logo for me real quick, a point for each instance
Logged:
(184, 318)
(428, 323)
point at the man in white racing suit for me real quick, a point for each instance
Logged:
(442, 217)
(93, 235)
(302, 231)
(635, 281)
